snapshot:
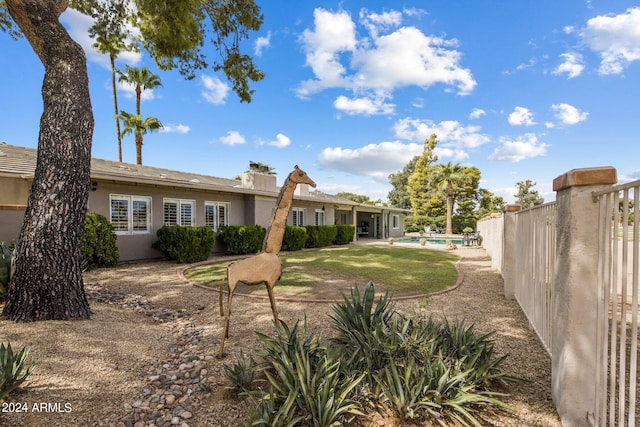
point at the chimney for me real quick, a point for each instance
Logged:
(258, 178)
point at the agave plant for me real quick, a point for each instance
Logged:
(306, 384)
(12, 369)
(241, 374)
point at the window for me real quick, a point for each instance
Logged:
(319, 217)
(130, 214)
(216, 214)
(298, 216)
(179, 212)
(395, 221)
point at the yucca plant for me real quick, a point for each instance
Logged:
(306, 383)
(12, 369)
(241, 374)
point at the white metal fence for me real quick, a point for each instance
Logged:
(535, 259)
(617, 335)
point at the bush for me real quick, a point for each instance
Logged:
(7, 267)
(319, 236)
(345, 233)
(242, 239)
(306, 383)
(99, 242)
(294, 238)
(439, 372)
(185, 244)
(11, 369)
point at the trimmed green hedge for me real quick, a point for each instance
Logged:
(185, 244)
(294, 238)
(319, 236)
(242, 239)
(345, 233)
(99, 242)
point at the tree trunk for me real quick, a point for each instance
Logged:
(112, 58)
(449, 228)
(47, 284)
(138, 147)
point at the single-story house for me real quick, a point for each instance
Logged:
(138, 200)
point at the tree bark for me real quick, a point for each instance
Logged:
(48, 284)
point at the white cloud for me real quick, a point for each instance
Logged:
(261, 43)
(572, 65)
(521, 116)
(281, 141)
(78, 25)
(232, 138)
(171, 128)
(568, 114)
(374, 160)
(450, 133)
(407, 57)
(362, 106)
(333, 33)
(215, 90)
(380, 63)
(616, 38)
(476, 113)
(375, 22)
(523, 147)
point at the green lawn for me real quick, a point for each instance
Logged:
(311, 273)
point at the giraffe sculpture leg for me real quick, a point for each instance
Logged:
(272, 300)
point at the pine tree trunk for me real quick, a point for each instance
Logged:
(47, 284)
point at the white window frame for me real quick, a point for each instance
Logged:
(297, 217)
(180, 204)
(395, 221)
(220, 214)
(320, 217)
(127, 217)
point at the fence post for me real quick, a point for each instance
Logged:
(508, 268)
(576, 296)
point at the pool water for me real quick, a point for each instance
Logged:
(430, 240)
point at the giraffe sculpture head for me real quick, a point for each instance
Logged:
(300, 177)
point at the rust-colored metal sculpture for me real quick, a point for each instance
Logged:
(264, 267)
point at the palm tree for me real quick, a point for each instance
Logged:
(141, 79)
(111, 38)
(139, 127)
(446, 178)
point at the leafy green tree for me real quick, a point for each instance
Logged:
(526, 196)
(488, 202)
(466, 193)
(418, 185)
(112, 37)
(358, 198)
(399, 196)
(47, 284)
(446, 178)
(141, 79)
(139, 127)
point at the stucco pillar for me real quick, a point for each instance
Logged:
(509, 250)
(576, 295)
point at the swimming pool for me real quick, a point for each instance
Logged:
(430, 240)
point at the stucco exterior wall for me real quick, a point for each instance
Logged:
(15, 191)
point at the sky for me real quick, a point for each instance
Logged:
(522, 90)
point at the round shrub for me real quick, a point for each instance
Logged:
(242, 239)
(99, 242)
(294, 238)
(185, 244)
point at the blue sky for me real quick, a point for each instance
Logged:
(520, 89)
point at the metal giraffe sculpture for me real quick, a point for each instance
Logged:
(265, 267)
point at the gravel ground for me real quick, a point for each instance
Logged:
(147, 356)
